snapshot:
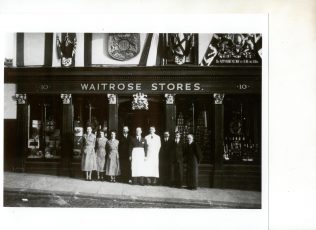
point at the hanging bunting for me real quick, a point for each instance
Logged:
(233, 49)
(210, 53)
(66, 49)
(180, 48)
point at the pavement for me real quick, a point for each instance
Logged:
(37, 186)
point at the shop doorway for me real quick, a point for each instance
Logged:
(154, 116)
(91, 109)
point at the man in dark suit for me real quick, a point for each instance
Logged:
(124, 151)
(193, 156)
(176, 162)
(164, 159)
(137, 158)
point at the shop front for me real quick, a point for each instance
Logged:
(221, 106)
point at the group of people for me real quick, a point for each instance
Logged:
(141, 160)
(101, 155)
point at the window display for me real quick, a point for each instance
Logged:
(44, 140)
(92, 111)
(241, 141)
(194, 118)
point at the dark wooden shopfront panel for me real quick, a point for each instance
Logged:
(9, 143)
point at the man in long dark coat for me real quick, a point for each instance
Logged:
(193, 156)
(124, 151)
(164, 159)
(176, 162)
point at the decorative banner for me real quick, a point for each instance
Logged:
(210, 54)
(233, 49)
(123, 46)
(258, 44)
(180, 47)
(66, 48)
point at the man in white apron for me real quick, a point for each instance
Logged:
(138, 158)
(153, 145)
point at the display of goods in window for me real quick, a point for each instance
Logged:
(52, 142)
(50, 126)
(78, 133)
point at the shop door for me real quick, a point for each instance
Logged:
(154, 116)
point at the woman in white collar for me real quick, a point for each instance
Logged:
(88, 160)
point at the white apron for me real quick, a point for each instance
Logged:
(152, 161)
(138, 159)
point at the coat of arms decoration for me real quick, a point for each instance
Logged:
(140, 101)
(123, 46)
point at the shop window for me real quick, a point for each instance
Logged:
(44, 140)
(193, 116)
(143, 118)
(88, 110)
(242, 129)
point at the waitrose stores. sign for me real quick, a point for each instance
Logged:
(99, 87)
(140, 86)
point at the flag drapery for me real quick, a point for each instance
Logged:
(233, 49)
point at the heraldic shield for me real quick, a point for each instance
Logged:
(123, 46)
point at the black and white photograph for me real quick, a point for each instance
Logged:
(167, 120)
(133, 120)
(158, 121)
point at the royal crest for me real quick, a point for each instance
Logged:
(140, 101)
(123, 46)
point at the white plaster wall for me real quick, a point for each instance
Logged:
(10, 46)
(80, 50)
(204, 41)
(34, 49)
(56, 60)
(152, 55)
(9, 101)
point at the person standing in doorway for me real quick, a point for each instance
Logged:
(153, 145)
(176, 162)
(124, 151)
(137, 158)
(164, 159)
(88, 160)
(100, 154)
(112, 168)
(193, 157)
